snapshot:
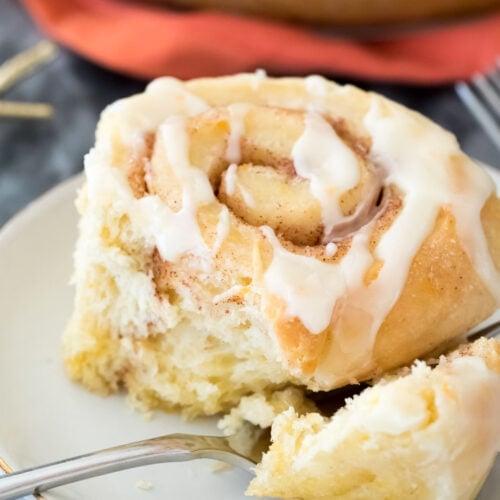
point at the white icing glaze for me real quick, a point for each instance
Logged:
(247, 196)
(332, 168)
(132, 116)
(227, 294)
(310, 287)
(428, 175)
(173, 233)
(231, 179)
(257, 78)
(457, 444)
(237, 113)
(463, 186)
(317, 89)
(426, 188)
(222, 229)
(197, 189)
(330, 249)
(317, 85)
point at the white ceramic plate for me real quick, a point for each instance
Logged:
(45, 417)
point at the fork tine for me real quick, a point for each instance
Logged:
(24, 63)
(489, 332)
(495, 76)
(489, 93)
(483, 115)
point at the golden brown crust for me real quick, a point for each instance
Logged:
(419, 433)
(490, 217)
(302, 350)
(442, 296)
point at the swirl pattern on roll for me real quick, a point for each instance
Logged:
(357, 228)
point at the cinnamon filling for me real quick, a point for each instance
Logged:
(272, 182)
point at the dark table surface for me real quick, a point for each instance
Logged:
(36, 155)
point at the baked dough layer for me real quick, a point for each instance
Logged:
(246, 233)
(423, 433)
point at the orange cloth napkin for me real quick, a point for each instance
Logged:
(148, 41)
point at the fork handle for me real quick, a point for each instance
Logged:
(170, 448)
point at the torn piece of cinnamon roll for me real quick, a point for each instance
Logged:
(244, 233)
(424, 433)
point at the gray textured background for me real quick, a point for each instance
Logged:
(37, 154)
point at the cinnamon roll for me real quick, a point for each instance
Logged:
(242, 234)
(424, 434)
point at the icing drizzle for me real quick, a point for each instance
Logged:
(332, 168)
(309, 287)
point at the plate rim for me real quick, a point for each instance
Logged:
(47, 198)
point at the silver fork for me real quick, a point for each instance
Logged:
(482, 97)
(244, 449)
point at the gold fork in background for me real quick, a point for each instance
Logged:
(16, 68)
